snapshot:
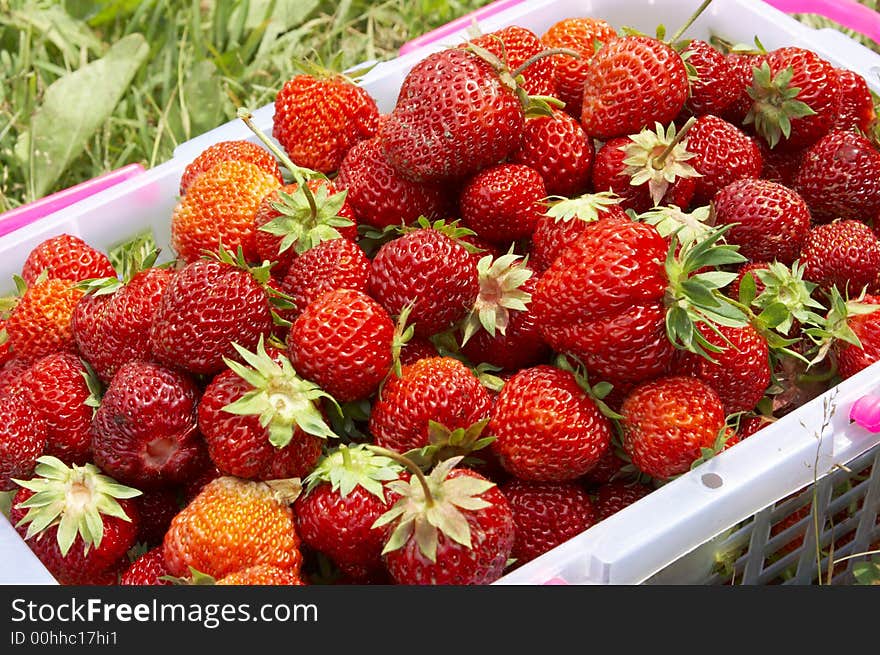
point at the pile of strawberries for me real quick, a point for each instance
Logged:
(429, 346)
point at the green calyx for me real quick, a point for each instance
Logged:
(687, 226)
(403, 334)
(431, 505)
(303, 223)
(775, 104)
(834, 326)
(196, 579)
(444, 443)
(587, 208)
(597, 392)
(786, 297)
(74, 498)
(658, 158)
(283, 400)
(128, 259)
(348, 467)
(500, 293)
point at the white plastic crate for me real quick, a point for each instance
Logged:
(669, 531)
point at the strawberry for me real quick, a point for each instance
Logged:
(208, 306)
(232, 525)
(379, 195)
(144, 432)
(668, 421)
(839, 177)
(66, 257)
(844, 253)
(218, 209)
(749, 268)
(63, 393)
(319, 116)
(156, 508)
(416, 349)
(342, 341)
(5, 353)
(455, 115)
(723, 154)
(852, 358)
(79, 522)
(238, 150)
(148, 569)
(515, 45)
(438, 389)
(769, 221)
(608, 468)
(263, 421)
(546, 514)
(503, 203)
(752, 424)
(779, 165)
(583, 35)
(467, 539)
(287, 224)
(343, 497)
(333, 264)
(23, 434)
(546, 427)
(558, 148)
(12, 374)
(855, 104)
(615, 496)
(744, 65)
(430, 269)
(717, 83)
(262, 575)
(39, 324)
(632, 82)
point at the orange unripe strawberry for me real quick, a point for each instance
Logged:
(40, 323)
(261, 574)
(239, 150)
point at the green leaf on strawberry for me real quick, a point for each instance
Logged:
(347, 467)
(500, 281)
(775, 103)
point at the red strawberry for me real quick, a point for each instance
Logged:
(454, 116)
(156, 508)
(11, 374)
(769, 221)
(148, 569)
(503, 203)
(23, 434)
(145, 433)
(546, 514)
(546, 427)
(723, 154)
(239, 150)
(5, 353)
(334, 264)
(66, 257)
(430, 269)
(63, 532)
(515, 45)
(59, 387)
(855, 104)
(606, 469)
(558, 148)
(630, 83)
(743, 65)
(439, 389)
(342, 341)
(717, 84)
(779, 165)
(468, 538)
(752, 424)
(416, 349)
(844, 253)
(39, 325)
(666, 422)
(208, 306)
(839, 177)
(851, 358)
(319, 117)
(615, 496)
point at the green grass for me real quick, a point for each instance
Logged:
(197, 62)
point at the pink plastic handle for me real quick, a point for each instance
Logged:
(27, 214)
(848, 13)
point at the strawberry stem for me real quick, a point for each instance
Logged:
(411, 466)
(690, 21)
(659, 161)
(545, 53)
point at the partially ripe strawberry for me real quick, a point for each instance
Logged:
(238, 150)
(148, 569)
(66, 257)
(717, 84)
(39, 325)
(615, 496)
(723, 154)
(844, 253)
(503, 203)
(262, 575)
(23, 436)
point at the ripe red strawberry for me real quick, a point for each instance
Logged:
(334, 264)
(343, 497)
(11, 374)
(515, 45)
(851, 358)
(839, 177)
(342, 341)
(468, 538)
(232, 525)
(580, 34)
(218, 209)
(546, 427)
(319, 116)
(23, 435)
(39, 325)
(717, 84)
(855, 105)
(614, 496)
(238, 150)
(769, 221)
(430, 269)
(503, 203)
(454, 116)
(439, 389)
(379, 195)
(630, 83)
(59, 388)
(744, 65)
(110, 329)
(208, 306)
(5, 353)
(741, 372)
(606, 469)
(844, 253)
(66, 257)
(416, 349)
(144, 432)
(546, 514)
(666, 422)
(287, 226)
(558, 148)
(63, 532)
(148, 569)
(779, 165)
(752, 424)
(723, 154)
(156, 508)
